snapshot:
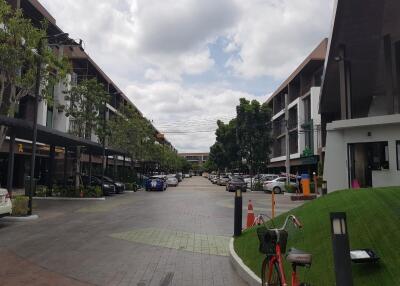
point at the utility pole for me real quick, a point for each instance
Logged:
(287, 164)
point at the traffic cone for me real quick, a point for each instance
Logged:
(250, 215)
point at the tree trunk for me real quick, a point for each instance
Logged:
(3, 133)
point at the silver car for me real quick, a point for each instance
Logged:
(278, 185)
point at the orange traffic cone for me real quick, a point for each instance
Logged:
(250, 215)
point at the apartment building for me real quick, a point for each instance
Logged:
(360, 98)
(195, 158)
(301, 90)
(56, 144)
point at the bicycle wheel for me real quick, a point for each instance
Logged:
(275, 275)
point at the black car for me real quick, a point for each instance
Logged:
(108, 188)
(236, 183)
(119, 186)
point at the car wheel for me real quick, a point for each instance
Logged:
(277, 190)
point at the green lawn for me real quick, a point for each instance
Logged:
(373, 218)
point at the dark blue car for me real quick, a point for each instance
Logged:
(156, 183)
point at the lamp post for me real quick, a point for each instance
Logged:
(35, 112)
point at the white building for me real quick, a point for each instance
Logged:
(360, 98)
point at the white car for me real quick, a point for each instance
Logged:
(172, 180)
(278, 185)
(259, 178)
(5, 203)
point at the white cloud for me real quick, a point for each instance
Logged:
(147, 46)
(192, 111)
(274, 36)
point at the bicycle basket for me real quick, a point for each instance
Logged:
(268, 240)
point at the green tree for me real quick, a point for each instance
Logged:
(225, 152)
(253, 132)
(86, 109)
(19, 40)
(132, 133)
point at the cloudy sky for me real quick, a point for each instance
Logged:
(186, 63)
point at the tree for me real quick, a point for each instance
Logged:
(19, 41)
(225, 152)
(210, 166)
(253, 132)
(132, 133)
(86, 107)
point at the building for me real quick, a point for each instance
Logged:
(302, 89)
(360, 97)
(56, 148)
(195, 158)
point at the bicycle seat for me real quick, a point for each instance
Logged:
(299, 257)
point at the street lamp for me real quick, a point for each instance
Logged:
(35, 112)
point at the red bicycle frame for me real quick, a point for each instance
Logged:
(278, 258)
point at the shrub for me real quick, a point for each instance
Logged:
(20, 206)
(258, 186)
(42, 191)
(92, 192)
(290, 188)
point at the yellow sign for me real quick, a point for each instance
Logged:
(20, 148)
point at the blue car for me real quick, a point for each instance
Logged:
(156, 183)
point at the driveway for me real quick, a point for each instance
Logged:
(177, 237)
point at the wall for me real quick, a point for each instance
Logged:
(341, 133)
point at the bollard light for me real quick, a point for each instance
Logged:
(238, 213)
(341, 249)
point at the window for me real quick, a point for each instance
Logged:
(398, 154)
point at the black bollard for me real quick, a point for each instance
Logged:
(238, 213)
(341, 249)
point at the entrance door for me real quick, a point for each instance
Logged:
(363, 158)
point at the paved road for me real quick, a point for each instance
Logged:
(178, 237)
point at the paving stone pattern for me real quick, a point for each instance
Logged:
(192, 242)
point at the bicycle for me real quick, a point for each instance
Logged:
(273, 244)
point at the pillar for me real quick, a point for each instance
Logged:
(52, 155)
(10, 173)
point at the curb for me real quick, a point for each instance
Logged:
(67, 199)
(19, 219)
(241, 269)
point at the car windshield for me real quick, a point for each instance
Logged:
(171, 176)
(108, 179)
(237, 179)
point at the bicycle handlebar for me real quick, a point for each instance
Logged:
(294, 220)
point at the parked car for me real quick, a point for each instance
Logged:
(187, 175)
(156, 183)
(259, 178)
(108, 188)
(223, 180)
(119, 186)
(172, 180)
(214, 179)
(236, 183)
(179, 176)
(5, 203)
(278, 185)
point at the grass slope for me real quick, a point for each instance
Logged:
(373, 218)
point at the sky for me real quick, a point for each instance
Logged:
(186, 63)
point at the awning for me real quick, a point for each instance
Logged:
(23, 129)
